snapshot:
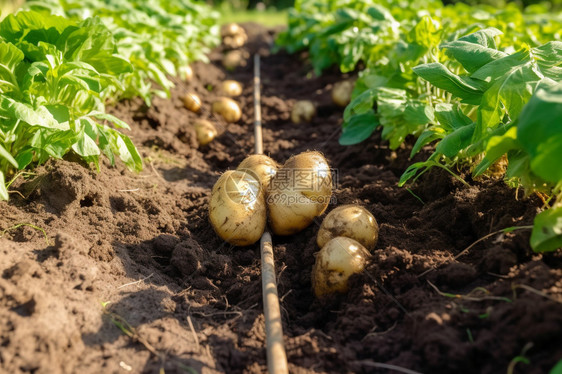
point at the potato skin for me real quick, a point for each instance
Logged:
(192, 102)
(237, 208)
(341, 93)
(263, 167)
(339, 259)
(231, 88)
(186, 73)
(228, 109)
(351, 221)
(233, 59)
(303, 111)
(205, 131)
(299, 192)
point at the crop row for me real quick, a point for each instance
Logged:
(62, 62)
(484, 86)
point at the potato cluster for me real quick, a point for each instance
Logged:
(292, 195)
(346, 237)
(233, 38)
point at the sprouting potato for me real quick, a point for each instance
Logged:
(303, 111)
(205, 131)
(341, 93)
(231, 88)
(228, 109)
(237, 208)
(263, 167)
(340, 258)
(192, 102)
(299, 192)
(351, 221)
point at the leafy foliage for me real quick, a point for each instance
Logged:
(159, 38)
(476, 82)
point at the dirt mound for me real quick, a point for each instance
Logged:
(121, 272)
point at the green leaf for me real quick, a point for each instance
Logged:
(469, 90)
(361, 104)
(547, 231)
(497, 146)
(426, 137)
(358, 128)
(475, 50)
(557, 369)
(540, 132)
(451, 117)
(452, 144)
(3, 190)
(7, 156)
(11, 57)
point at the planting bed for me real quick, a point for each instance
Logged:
(135, 254)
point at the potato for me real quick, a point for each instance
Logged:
(303, 111)
(235, 41)
(192, 102)
(339, 259)
(231, 29)
(351, 221)
(237, 208)
(231, 88)
(299, 192)
(205, 131)
(233, 59)
(228, 109)
(262, 167)
(186, 73)
(341, 93)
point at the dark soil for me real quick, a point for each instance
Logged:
(134, 279)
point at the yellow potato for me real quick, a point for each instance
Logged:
(205, 131)
(351, 221)
(299, 192)
(303, 111)
(186, 73)
(237, 208)
(341, 93)
(228, 109)
(339, 259)
(192, 102)
(261, 166)
(231, 88)
(231, 29)
(233, 59)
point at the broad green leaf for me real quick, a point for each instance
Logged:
(359, 128)
(10, 58)
(475, 50)
(111, 118)
(557, 369)
(85, 146)
(360, 104)
(547, 231)
(455, 142)
(467, 89)
(540, 132)
(425, 138)
(450, 117)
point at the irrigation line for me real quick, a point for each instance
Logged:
(276, 355)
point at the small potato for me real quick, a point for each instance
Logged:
(228, 109)
(351, 221)
(233, 59)
(341, 93)
(303, 111)
(230, 29)
(186, 73)
(299, 192)
(205, 131)
(231, 88)
(192, 102)
(237, 208)
(262, 166)
(339, 259)
(235, 41)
